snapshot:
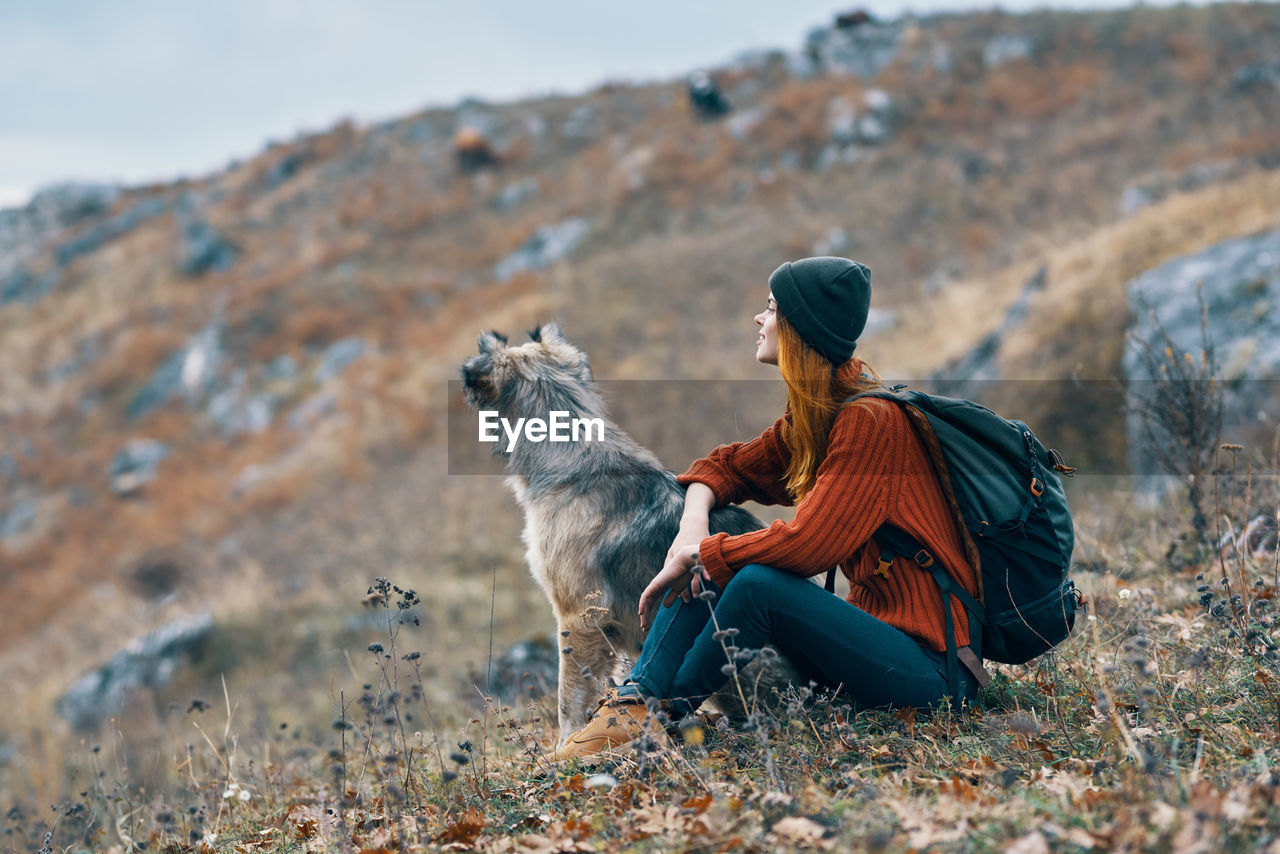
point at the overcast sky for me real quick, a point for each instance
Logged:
(137, 90)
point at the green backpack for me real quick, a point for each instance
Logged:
(1005, 488)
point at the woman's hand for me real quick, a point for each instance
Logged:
(692, 532)
(681, 576)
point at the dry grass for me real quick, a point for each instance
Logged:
(1153, 727)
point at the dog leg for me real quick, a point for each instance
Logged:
(584, 670)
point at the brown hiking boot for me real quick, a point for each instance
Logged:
(618, 719)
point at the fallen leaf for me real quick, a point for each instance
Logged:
(1033, 843)
(776, 799)
(801, 831)
(463, 831)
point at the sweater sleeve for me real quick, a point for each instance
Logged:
(745, 470)
(851, 497)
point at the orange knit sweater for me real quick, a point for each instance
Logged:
(876, 471)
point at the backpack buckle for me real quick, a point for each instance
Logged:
(1037, 488)
(1060, 465)
(923, 559)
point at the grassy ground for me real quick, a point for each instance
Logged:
(1154, 727)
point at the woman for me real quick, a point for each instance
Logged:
(848, 467)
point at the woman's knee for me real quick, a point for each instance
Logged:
(755, 575)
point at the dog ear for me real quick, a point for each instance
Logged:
(491, 340)
(548, 333)
(535, 334)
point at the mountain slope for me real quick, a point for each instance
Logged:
(286, 327)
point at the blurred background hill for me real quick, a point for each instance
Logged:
(225, 400)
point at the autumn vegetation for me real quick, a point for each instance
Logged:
(321, 717)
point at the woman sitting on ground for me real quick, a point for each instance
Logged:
(849, 467)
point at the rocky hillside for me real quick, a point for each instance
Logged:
(231, 392)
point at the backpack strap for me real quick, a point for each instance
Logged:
(894, 540)
(965, 655)
(933, 448)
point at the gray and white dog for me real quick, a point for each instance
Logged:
(599, 514)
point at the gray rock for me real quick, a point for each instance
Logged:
(135, 465)
(96, 236)
(420, 131)
(234, 411)
(88, 350)
(549, 244)
(878, 101)
(842, 120)
(872, 130)
(534, 125)
(1135, 198)
(192, 371)
(285, 168)
(1260, 75)
(281, 368)
(204, 249)
(24, 286)
(850, 125)
(311, 410)
(800, 65)
(70, 202)
(1004, 48)
(827, 157)
(739, 125)
(963, 376)
(160, 388)
(19, 518)
(26, 231)
(337, 356)
(581, 123)
(1240, 280)
(1154, 187)
(202, 359)
(147, 662)
(940, 58)
(515, 194)
(527, 670)
(862, 51)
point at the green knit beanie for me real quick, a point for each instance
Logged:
(826, 299)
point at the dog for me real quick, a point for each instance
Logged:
(600, 512)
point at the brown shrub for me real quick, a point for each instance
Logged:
(139, 349)
(796, 120)
(316, 325)
(1026, 90)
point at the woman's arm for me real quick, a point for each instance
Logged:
(695, 522)
(852, 497)
(745, 470)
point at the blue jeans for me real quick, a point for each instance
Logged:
(829, 640)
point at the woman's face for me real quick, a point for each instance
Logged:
(767, 342)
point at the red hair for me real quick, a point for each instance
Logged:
(815, 396)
